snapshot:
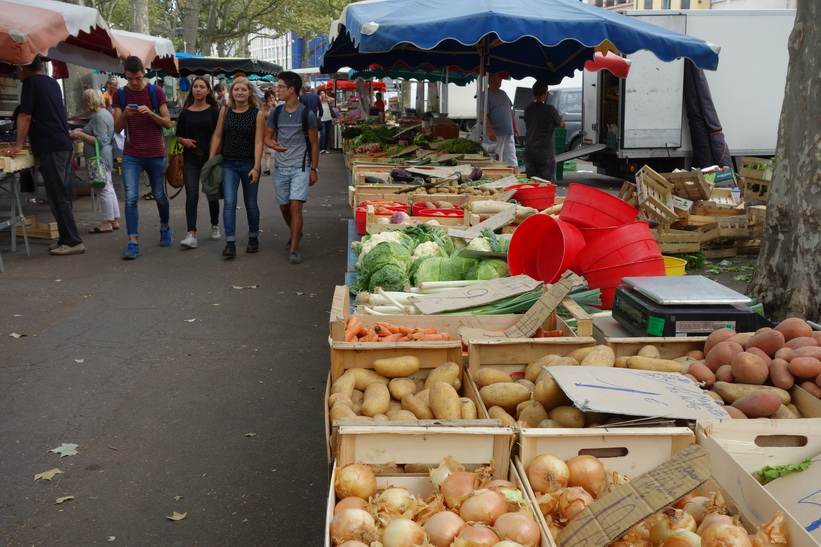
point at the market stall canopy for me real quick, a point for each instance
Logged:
(345, 85)
(153, 51)
(453, 74)
(545, 39)
(57, 30)
(201, 66)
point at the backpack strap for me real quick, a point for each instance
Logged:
(123, 100)
(152, 94)
(277, 111)
(305, 113)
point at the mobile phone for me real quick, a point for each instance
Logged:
(133, 106)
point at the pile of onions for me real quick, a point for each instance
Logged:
(355, 479)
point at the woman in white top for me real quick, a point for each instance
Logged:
(326, 121)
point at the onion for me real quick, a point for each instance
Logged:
(352, 502)
(507, 543)
(432, 505)
(725, 535)
(476, 536)
(355, 524)
(548, 503)
(395, 501)
(355, 479)
(697, 507)
(353, 543)
(442, 528)
(713, 518)
(483, 506)
(499, 483)
(683, 501)
(518, 527)
(669, 522)
(586, 471)
(773, 533)
(682, 538)
(548, 473)
(457, 487)
(573, 501)
(402, 533)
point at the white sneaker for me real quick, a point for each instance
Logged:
(189, 241)
(215, 232)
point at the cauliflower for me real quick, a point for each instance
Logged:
(429, 248)
(390, 236)
(480, 244)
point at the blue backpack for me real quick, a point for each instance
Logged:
(152, 93)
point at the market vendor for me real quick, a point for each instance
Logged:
(500, 122)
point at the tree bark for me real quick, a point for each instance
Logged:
(190, 25)
(789, 265)
(139, 17)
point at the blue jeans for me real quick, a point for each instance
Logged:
(133, 166)
(325, 133)
(235, 172)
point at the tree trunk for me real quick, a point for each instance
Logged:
(79, 79)
(139, 17)
(789, 265)
(190, 25)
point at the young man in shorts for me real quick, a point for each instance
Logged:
(297, 148)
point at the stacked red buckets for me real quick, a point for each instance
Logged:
(596, 235)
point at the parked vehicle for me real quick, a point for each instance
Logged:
(643, 120)
(568, 101)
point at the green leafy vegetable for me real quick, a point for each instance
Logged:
(770, 472)
(460, 146)
(435, 268)
(491, 268)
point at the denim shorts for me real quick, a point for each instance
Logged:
(291, 184)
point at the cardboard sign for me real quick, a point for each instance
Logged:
(475, 295)
(503, 182)
(496, 221)
(610, 516)
(800, 494)
(535, 316)
(636, 393)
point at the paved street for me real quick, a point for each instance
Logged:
(185, 389)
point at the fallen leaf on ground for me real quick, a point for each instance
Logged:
(65, 449)
(239, 288)
(250, 434)
(58, 280)
(64, 498)
(79, 360)
(215, 304)
(15, 335)
(177, 498)
(47, 475)
(300, 294)
(177, 516)
(190, 320)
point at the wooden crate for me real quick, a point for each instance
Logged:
(726, 228)
(655, 195)
(628, 194)
(756, 189)
(689, 184)
(359, 172)
(756, 214)
(677, 241)
(669, 347)
(513, 354)
(40, 230)
(748, 170)
(21, 160)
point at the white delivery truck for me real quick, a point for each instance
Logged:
(643, 119)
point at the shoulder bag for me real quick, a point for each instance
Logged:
(175, 171)
(97, 171)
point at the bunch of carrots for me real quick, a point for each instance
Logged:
(355, 331)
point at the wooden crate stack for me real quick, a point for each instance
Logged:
(757, 174)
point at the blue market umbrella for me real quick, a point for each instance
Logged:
(545, 39)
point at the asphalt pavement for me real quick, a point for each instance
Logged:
(190, 383)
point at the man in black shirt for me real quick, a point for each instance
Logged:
(43, 118)
(541, 119)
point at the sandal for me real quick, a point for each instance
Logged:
(115, 226)
(149, 196)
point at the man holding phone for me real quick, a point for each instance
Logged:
(141, 109)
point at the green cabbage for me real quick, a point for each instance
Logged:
(390, 278)
(435, 268)
(386, 266)
(490, 268)
(462, 264)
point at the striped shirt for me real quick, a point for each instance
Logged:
(143, 136)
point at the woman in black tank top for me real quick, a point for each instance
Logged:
(238, 139)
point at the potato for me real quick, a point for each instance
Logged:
(424, 396)
(784, 353)
(420, 410)
(532, 413)
(549, 424)
(528, 384)
(341, 412)
(741, 338)
(506, 396)
(377, 399)
(446, 372)
(817, 335)
(758, 405)
(563, 362)
(549, 394)
(769, 342)
(420, 384)
(357, 396)
(715, 396)
(394, 405)
(806, 351)
(401, 416)
(725, 374)
(780, 374)
(380, 418)
(567, 416)
(812, 388)
(656, 365)
(621, 362)
(600, 356)
(716, 337)
(800, 342)
(794, 327)
(684, 360)
(691, 378)
(804, 367)
(580, 354)
(784, 413)
(339, 399)
(397, 367)
(499, 413)
(732, 392)
(702, 374)
(794, 409)
(763, 329)
(533, 369)
(468, 408)
(649, 351)
(749, 369)
(696, 354)
(486, 376)
(365, 377)
(344, 384)
(721, 354)
(758, 353)
(444, 401)
(735, 413)
(402, 386)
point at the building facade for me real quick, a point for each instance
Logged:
(626, 5)
(286, 49)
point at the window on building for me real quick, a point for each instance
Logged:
(648, 4)
(685, 4)
(665, 4)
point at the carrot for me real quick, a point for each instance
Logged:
(381, 331)
(541, 333)
(372, 336)
(429, 330)
(351, 328)
(431, 337)
(396, 337)
(406, 330)
(391, 327)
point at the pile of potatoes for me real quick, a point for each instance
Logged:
(460, 189)
(388, 393)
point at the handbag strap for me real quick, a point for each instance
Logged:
(97, 148)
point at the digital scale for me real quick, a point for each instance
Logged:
(677, 306)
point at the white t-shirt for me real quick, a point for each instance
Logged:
(326, 112)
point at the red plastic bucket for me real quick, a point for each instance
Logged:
(607, 279)
(626, 244)
(587, 207)
(544, 247)
(436, 213)
(540, 196)
(592, 233)
(361, 217)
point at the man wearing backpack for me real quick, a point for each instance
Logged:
(141, 109)
(292, 132)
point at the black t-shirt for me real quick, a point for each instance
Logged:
(42, 99)
(540, 119)
(198, 125)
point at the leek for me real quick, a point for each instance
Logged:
(512, 304)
